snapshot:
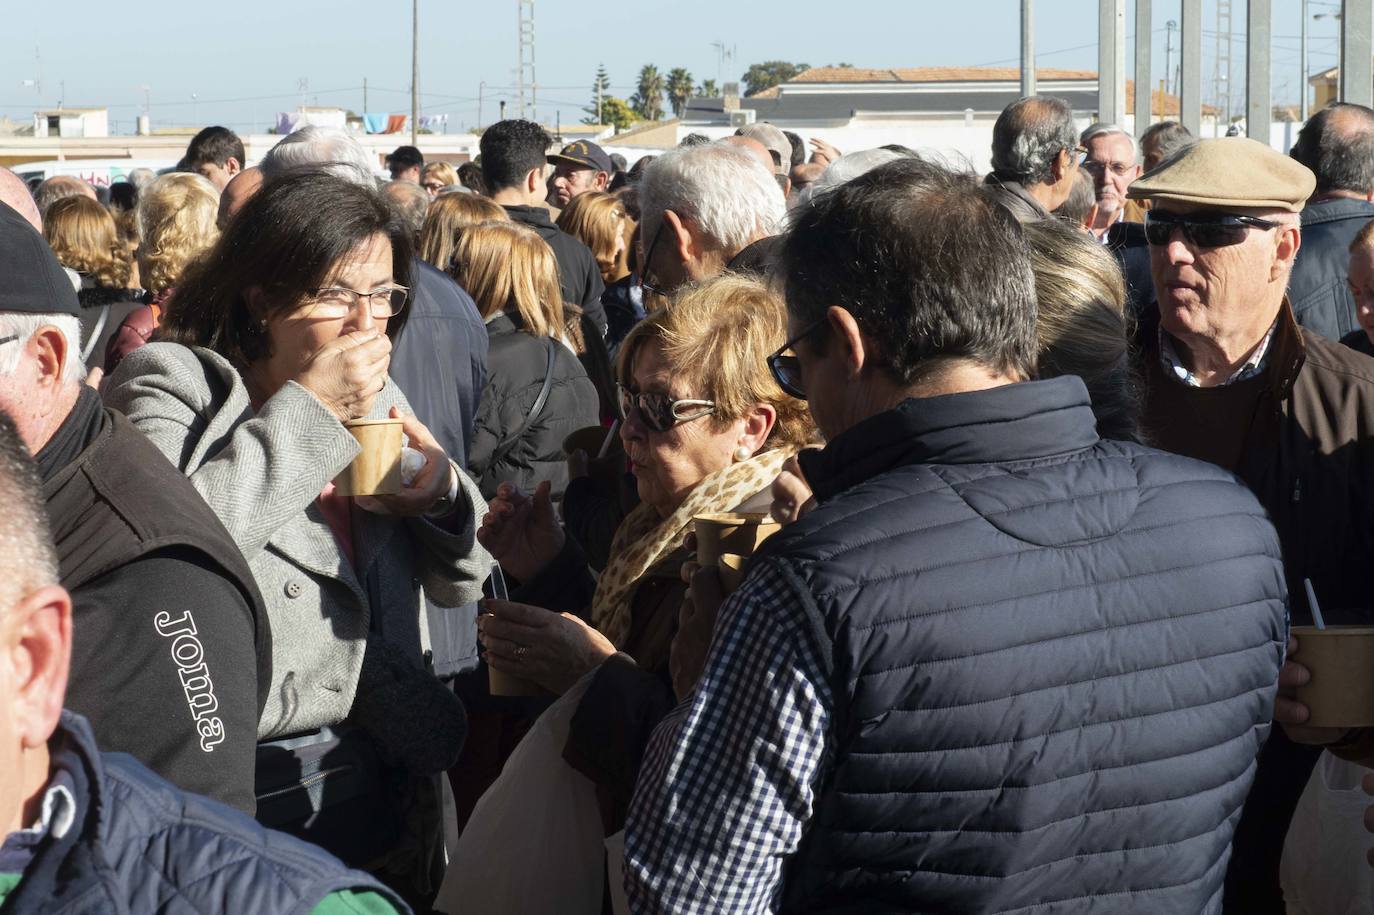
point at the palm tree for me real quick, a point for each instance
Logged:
(648, 100)
(679, 90)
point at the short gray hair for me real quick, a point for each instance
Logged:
(1108, 130)
(409, 203)
(1029, 135)
(335, 150)
(726, 193)
(26, 546)
(24, 325)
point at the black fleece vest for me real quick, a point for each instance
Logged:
(1052, 662)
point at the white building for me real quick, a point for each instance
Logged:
(72, 122)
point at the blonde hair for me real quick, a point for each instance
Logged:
(448, 216)
(597, 219)
(508, 268)
(716, 337)
(176, 217)
(440, 171)
(84, 237)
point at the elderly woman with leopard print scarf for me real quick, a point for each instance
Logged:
(706, 429)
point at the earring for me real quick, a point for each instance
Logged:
(742, 453)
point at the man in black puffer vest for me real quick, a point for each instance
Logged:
(171, 646)
(1001, 664)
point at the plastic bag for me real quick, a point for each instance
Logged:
(534, 843)
(1324, 871)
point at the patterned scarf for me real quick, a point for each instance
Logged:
(644, 539)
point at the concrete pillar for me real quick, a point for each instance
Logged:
(1028, 47)
(1357, 69)
(1111, 61)
(1258, 105)
(1190, 67)
(1144, 76)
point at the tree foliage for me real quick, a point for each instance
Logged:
(679, 87)
(618, 113)
(601, 81)
(708, 89)
(648, 98)
(769, 74)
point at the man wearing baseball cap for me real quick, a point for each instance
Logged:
(405, 164)
(577, 168)
(1230, 378)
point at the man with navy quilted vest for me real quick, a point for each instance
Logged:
(1003, 665)
(88, 832)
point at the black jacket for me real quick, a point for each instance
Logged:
(102, 312)
(1052, 660)
(577, 271)
(440, 360)
(516, 364)
(1126, 240)
(1317, 287)
(170, 645)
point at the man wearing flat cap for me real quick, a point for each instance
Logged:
(170, 644)
(578, 168)
(1230, 378)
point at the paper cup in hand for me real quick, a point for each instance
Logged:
(503, 684)
(738, 534)
(731, 569)
(376, 471)
(1341, 659)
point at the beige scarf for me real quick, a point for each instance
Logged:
(644, 539)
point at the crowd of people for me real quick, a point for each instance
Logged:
(1059, 455)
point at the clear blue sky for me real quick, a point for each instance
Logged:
(245, 60)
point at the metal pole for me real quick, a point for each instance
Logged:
(365, 109)
(1028, 48)
(1258, 104)
(1357, 68)
(1143, 74)
(414, 71)
(1111, 64)
(1168, 63)
(1190, 67)
(1302, 84)
(481, 87)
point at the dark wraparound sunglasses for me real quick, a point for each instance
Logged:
(786, 368)
(1202, 231)
(660, 412)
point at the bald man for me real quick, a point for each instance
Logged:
(59, 186)
(1337, 144)
(1034, 157)
(760, 152)
(14, 193)
(237, 192)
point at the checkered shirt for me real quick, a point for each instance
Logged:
(727, 784)
(1256, 363)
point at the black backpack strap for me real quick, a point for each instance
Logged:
(536, 408)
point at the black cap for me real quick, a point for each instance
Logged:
(31, 279)
(404, 157)
(585, 154)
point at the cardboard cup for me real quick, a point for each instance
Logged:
(731, 568)
(1341, 659)
(376, 470)
(738, 534)
(503, 684)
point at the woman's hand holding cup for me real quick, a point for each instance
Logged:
(520, 531)
(348, 372)
(431, 483)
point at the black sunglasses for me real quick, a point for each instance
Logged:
(1210, 231)
(787, 369)
(660, 412)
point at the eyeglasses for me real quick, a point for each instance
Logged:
(10, 338)
(1215, 230)
(787, 369)
(660, 412)
(1119, 169)
(644, 267)
(434, 187)
(334, 302)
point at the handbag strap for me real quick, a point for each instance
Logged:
(535, 408)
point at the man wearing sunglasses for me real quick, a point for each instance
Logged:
(1230, 378)
(969, 678)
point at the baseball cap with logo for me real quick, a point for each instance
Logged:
(584, 154)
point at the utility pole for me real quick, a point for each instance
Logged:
(1190, 67)
(1259, 110)
(1027, 48)
(1143, 74)
(599, 121)
(481, 89)
(1221, 73)
(1111, 64)
(1168, 62)
(1302, 57)
(525, 75)
(1357, 76)
(365, 108)
(414, 71)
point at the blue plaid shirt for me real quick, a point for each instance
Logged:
(727, 784)
(1256, 362)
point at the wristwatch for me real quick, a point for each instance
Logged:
(445, 504)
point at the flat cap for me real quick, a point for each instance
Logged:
(31, 279)
(776, 142)
(1228, 172)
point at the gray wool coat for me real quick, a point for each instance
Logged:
(262, 474)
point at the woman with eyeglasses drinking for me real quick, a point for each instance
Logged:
(277, 337)
(706, 429)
